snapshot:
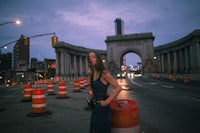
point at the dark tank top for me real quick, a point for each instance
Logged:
(99, 89)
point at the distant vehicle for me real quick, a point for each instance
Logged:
(121, 75)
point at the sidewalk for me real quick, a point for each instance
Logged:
(67, 115)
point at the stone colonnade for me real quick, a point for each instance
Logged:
(71, 61)
(181, 56)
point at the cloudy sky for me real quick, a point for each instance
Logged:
(87, 23)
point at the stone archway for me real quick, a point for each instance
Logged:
(142, 44)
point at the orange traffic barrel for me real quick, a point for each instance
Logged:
(81, 83)
(62, 90)
(153, 75)
(85, 82)
(170, 77)
(76, 85)
(38, 101)
(125, 116)
(27, 93)
(186, 79)
(45, 81)
(157, 76)
(50, 88)
(173, 77)
(57, 78)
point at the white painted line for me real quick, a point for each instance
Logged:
(167, 86)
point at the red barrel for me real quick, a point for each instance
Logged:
(76, 85)
(157, 76)
(81, 83)
(125, 116)
(38, 101)
(27, 92)
(62, 90)
(85, 81)
(170, 76)
(50, 88)
(186, 79)
(173, 77)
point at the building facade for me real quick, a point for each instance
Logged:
(21, 55)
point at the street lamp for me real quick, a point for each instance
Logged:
(16, 22)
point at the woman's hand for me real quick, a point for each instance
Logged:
(90, 94)
(103, 103)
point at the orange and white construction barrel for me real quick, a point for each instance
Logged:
(76, 85)
(186, 79)
(85, 81)
(81, 83)
(50, 88)
(173, 77)
(125, 116)
(38, 101)
(62, 90)
(27, 93)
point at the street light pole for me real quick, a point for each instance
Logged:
(16, 22)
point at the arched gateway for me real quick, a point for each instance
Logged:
(119, 45)
(71, 60)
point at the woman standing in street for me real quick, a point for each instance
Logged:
(100, 79)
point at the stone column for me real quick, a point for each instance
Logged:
(169, 62)
(162, 63)
(186, 60)
(159, 63)
(67, 63)
(180, 60)
(86, 66)
(175, 62)
(192, 57)
(75, 70)
(81, 65)
(62, 64)
(57, 63)
(198, 53)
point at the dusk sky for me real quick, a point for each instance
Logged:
(87, 23)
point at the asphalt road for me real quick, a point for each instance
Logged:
(165, 107)
(65, 115)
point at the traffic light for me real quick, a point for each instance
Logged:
(54, 40)
(26, 41)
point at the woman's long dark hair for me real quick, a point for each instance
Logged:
(99, 66)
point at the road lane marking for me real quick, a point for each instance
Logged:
(152, 83)
(136, 83)
(169, 93)
(167, 86)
